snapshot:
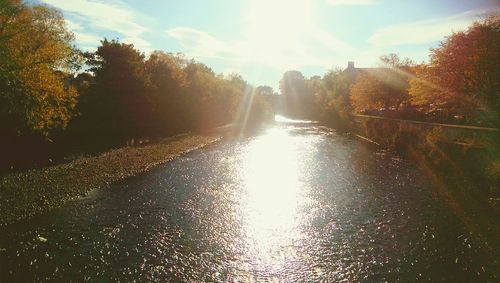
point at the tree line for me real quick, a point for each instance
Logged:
(460, 84)
(56, 99)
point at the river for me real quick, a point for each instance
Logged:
(296, 202)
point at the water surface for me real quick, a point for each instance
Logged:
(295, 203)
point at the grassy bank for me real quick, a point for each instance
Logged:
(26, 194)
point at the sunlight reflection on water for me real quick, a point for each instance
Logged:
(273, 192)
(295, 203)
(285, 120)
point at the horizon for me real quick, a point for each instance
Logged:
(255, 40)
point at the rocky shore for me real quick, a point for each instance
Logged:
(29, 193)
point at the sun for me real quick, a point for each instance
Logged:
(276, 20)
(276, 29)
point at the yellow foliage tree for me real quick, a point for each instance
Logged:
(379, 89)
(35, 56)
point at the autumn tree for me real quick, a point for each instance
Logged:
(382, 88)
(392, 60)
(462, 77)
(36, 59)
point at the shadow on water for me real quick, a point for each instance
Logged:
(295, 202)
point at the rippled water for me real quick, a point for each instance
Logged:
(295, 203)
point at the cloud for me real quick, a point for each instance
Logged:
(82, 38)
(249, 51)
(201, 44)
(329, 40)
(351, 2)
(425, 31)
(72, 25)
(139, 43)
(294, 41)
(107, 15)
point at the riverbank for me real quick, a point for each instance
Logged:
(25, 194)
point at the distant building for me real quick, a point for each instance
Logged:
(354, 72)
(393, 79)
(390, 76)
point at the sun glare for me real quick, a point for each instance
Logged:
(284, 120)
(272, 196)
(275, 29)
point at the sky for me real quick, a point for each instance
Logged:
(262, 39)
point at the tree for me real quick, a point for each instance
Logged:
(377, 90)
(383, 88)
(36, 57)
(298, 95)
(429, 97)
(333, 99)
(118, 105)
(168, 78)
(462, 76)
(392, 60)
(293, 83)
(200, 94)
(264, 90)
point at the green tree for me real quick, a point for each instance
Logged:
(264, 90)
(333, 99)
(254, 106)
(200, 94)
(118, 105)
(168, 79)
(298, 95)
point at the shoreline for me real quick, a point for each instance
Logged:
(36, 191)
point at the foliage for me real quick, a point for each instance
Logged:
(209, 96)
(298, 95)
(250, 106)
(168, 78)
(392, 60)
(383, 89)
(462, 77)
(428, 96)
(117, 105)
(36, 58)
(126, 95)
(131, 98)
(494, 169)
(333, 99)
(264, 90)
